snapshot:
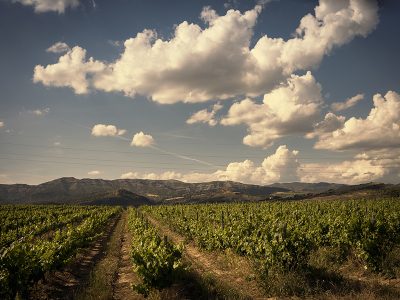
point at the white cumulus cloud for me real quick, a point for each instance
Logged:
(379, 130)
(58, 47)
(107, 130)
(168, 175)
(142, 140)
(291, 108)
(347, 172)
(281, 166)
(285, 166)
(41, 6)
(205, 116)
(339, 106)
(72, 70)
(130, 175)
(372, 165)
(216, 62)
(325, 127)
(278, 167)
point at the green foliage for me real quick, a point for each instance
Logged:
(378, 238)
(281, 235)
(19, 221)
(27, 259)
(157, 261)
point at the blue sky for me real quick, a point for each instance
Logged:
(211, 90)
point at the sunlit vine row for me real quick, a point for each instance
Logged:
(156, 260)
(283, 234)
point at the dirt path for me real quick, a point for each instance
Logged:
(232, 271)
(125, 275)
(67, 282)
(104, 271)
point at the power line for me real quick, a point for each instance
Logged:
(152, 153)
(191, 142)
(108, 160)
(169, 168)
(152, 162)
(93, 164)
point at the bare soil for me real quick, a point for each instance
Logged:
(68, 281)
(125, 275)
(104, 270)
(232, 271)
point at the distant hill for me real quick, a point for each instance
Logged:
(303, 187)
(141, 191)
(118, 197)
(72, 190)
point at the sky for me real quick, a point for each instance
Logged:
(250, 91)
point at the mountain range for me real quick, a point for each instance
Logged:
(142, 191)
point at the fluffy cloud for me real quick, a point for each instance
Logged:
(142, 140)
(72, 70)
(216, 62)
(107, 130)
(130, 175)
(334, 24)
(39, 112)
(292, 107)
(153, 176)
(58, 47)
(205, 116)
(279, 167)
(41, 6)
(379, 130)
(339, 106)
(94, 173)
(1, 124)
(348, 172)
(372, 165)
(285, 166)
(330, 123)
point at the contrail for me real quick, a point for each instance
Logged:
(203, 162)
(178, 136)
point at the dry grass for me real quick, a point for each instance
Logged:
(217, 275)
(332, 276)
(391, 264)
(101, 279)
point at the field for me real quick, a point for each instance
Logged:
(336, 249)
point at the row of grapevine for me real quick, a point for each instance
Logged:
(284, 234)
(30, 220)
(156, 260)
(28, 259)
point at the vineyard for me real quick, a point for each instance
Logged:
(166, 243)
(37, 239)
(283, 235)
